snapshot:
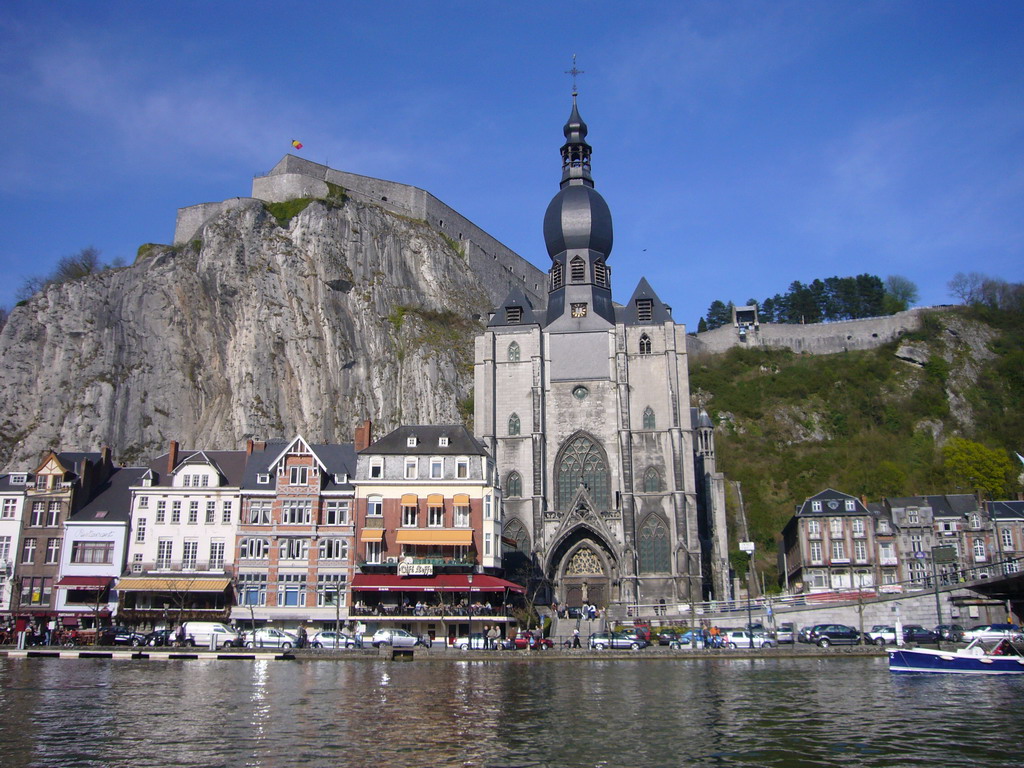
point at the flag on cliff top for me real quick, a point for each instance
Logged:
(297, 144)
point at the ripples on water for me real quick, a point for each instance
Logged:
(533, 714)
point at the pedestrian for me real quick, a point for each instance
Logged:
(576, 639)
(492, 637)
(302, 636)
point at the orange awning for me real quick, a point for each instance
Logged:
(409, 500)
(372, 534)
(435, 500)
(462, 499)
(449, 538)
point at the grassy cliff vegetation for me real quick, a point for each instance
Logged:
(869, 423)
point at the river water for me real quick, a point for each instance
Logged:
(530, 713)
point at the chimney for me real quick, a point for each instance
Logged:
(364, 434)
(248, 447)
(172, 456)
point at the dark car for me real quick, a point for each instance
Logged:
(952, 632)
(825, 635)
(121, 636)
(159, 637)
(914, 633)
(526, 639)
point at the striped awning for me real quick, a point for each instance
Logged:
(372, 534)
(427, 537)
(172, 584)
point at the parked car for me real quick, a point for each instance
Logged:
(121, 636)
(993, 632)
(332, 639)
(601, 640)
(687, 638)
(268, 637)
(160, 637)
(527, 639)
(804, 635)
(478, 641)
(825, 635)
(741, 638)
(951, 632)
(880, 634)
(203, 633)
(915, 633)
(397, 638)
(785, 633)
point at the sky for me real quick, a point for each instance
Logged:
(740, 145)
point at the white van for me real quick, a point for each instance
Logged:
(202, 633)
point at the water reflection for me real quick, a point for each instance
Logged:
(722, 712)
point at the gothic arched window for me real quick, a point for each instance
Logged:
(582, 462)
(577, 269)
(515, 538)
(513, 352)
(645, 344)
(649, 418)
(653, 546)
(513, 424)
(513, 485)
(652, 480)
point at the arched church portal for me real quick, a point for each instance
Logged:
(584, 571)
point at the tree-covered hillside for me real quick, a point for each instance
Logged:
(940, 411)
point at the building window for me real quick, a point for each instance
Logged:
(860, 551)
(487, 544)
(252, 588)
(648, 421)
(514, 485)
(1006, 537)
(376, 467)
(644, 310)
(442, 441)
(189, 555)
(263, 478)
(297, 512)
(838, 550)
(858, 527)
(140, 530)
(913, 517)
(36, 591)
(21, 478)
(137, 562)
(513, 352)
(294, 549)
(556, 275)
(488, 507)
(53, 514)
(259, 513)
(28, 551)
(814, 528)
(336, 512)
(513, 315)
(216, 555)
(435, 517)
(851, 505)
(410, 468)
(652, 480)
(883, 526)
(409, 517)
(225, 513)
(193, 513)
(975, 521)
(175, 512)
(577, 270)
(601, 273)
(161, 511)
(916, 543)
(513, 424)
(374, 506)
(211, 512)
(436, 468)
(815, 506)
(9, 509)
(298, 476)
(653, 547)
(41, 482)
(887, 553)
(645, 344)
(835, 526)
(462, 468)
(291, 590)
(38, 514)
(411, 441)
(333, 549)
(373, 550)
(582, 463)
(816, 552)
(580, 392)
(143, 502)
(462, 516)
(979, 550)
(53, 551)
(5, 549)
(254, 549)
(164, 552)
(330, 589)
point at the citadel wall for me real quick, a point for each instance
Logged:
(293, 178)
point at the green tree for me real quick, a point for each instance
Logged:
(718, 314)
(900, 294)
(702, 325)
(971, 467)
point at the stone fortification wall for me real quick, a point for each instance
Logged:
(294, 177)
(192, 219)
(814, 338)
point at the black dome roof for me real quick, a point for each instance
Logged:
(578, 217)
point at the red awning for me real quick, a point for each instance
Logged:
(448, 582)
(85, 582)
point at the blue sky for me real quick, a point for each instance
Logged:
(740, 145)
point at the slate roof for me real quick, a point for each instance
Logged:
(337, 458)
(1005, 510)
(660, 313)
(230, 464)
(460, 442)
(517, 298)
(112, 501)
(840, 499)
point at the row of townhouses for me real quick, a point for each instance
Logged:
(836, 541)
(406, 530)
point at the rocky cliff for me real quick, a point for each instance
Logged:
(272, 322)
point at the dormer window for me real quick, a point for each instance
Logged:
(443, 441)
(577, 270)
(19, 479)
(410, 442)
(377, 468)
(644, 310)
(340, 478)
(514, 315)
(263, 478)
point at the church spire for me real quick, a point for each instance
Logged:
(575, 151)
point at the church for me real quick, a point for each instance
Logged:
(608, 474)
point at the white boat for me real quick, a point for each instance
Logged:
(978, 658)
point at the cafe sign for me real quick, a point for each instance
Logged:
(415, 569)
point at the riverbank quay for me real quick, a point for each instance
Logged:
(446, 654)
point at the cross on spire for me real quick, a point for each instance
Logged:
(574, 72)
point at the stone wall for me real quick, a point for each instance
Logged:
(813, 338)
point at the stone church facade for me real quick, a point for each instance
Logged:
(608, 475)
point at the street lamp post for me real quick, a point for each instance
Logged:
(748, 547)
(469, 579)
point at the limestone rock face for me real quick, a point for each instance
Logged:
(259, 329)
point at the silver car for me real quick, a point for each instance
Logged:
(270, 638)
(396, 638)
